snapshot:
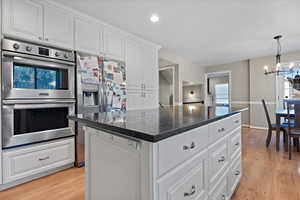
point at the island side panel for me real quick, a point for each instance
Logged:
(117, 167)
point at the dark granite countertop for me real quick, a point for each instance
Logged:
(153, 125)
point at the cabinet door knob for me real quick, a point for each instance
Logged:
(46, 39)
(222, 159)
(237, 144)
(191, 193)
(237, 121)
(237, 173)
(40, 38)
(192, 146)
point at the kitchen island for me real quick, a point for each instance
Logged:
(173, 153)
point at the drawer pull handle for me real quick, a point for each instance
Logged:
(237, 144)
(223, 197)
(237, 173)
(193, 191)
(221, 130)
(45, 158)
(222, 159)
(192, 146)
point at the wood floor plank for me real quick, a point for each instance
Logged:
(267, 175)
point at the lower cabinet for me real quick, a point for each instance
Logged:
(188, 182)
(218, 161)
(219, 192)
(27, 161)
(185, 166)
(234, 175)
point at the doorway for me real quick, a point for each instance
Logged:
(218, 88)
(167, 86)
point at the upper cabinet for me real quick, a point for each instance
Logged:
(23, 19)
(134, 69)
(58, 26)
(150, 67)
(114, 43)
(88, 36)
(35, 21)
(141, 65)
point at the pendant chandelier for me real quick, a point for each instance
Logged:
(279, 68)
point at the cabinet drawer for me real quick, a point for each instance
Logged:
(187, 182)
(218, 161)
(235, 143)
(177, 149)
(220, 190)
(27, 161)
(234, 175)
(222, 127)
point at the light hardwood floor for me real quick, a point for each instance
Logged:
(268, 175)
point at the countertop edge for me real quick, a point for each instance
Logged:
(118, 131)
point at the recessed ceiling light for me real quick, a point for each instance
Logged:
(154, 18)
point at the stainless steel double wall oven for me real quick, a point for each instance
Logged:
(37, 93)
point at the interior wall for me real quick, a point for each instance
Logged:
(239, 83)
(264, 87)
(195, 97)
(250, 86)
(187, 71)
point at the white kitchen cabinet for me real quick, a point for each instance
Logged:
(150, 99)
(187, 182)
(58, 26)
(220, 190)
(23, 19)
(39, 22)
(30, 160)
(218, 161)
(150, 68)
(142, 72)
(234, 175)
(185, 166)
(106, 159)
(114, 43)
(179, 148)
(134, 68)
(135, 101)
(88, 36)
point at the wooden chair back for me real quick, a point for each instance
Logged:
(266, 113)
(293, 108)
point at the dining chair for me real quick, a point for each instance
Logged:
(272, 127)
(293, 125)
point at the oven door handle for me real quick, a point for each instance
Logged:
(40, 61)
(30, 106)
(42, 101)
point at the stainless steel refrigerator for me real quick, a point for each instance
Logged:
(100, 87)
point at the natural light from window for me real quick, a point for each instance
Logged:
(222, 94)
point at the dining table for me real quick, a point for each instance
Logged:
(281, 113)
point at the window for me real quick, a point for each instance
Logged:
(222, 94)
(31, 77)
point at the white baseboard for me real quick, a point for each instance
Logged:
(258, 127)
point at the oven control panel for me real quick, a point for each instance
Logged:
(37, 50)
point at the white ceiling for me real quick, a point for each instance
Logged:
(206, 32)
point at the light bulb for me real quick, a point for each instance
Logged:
(291, 65)
(154, 18)
(266, 68)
